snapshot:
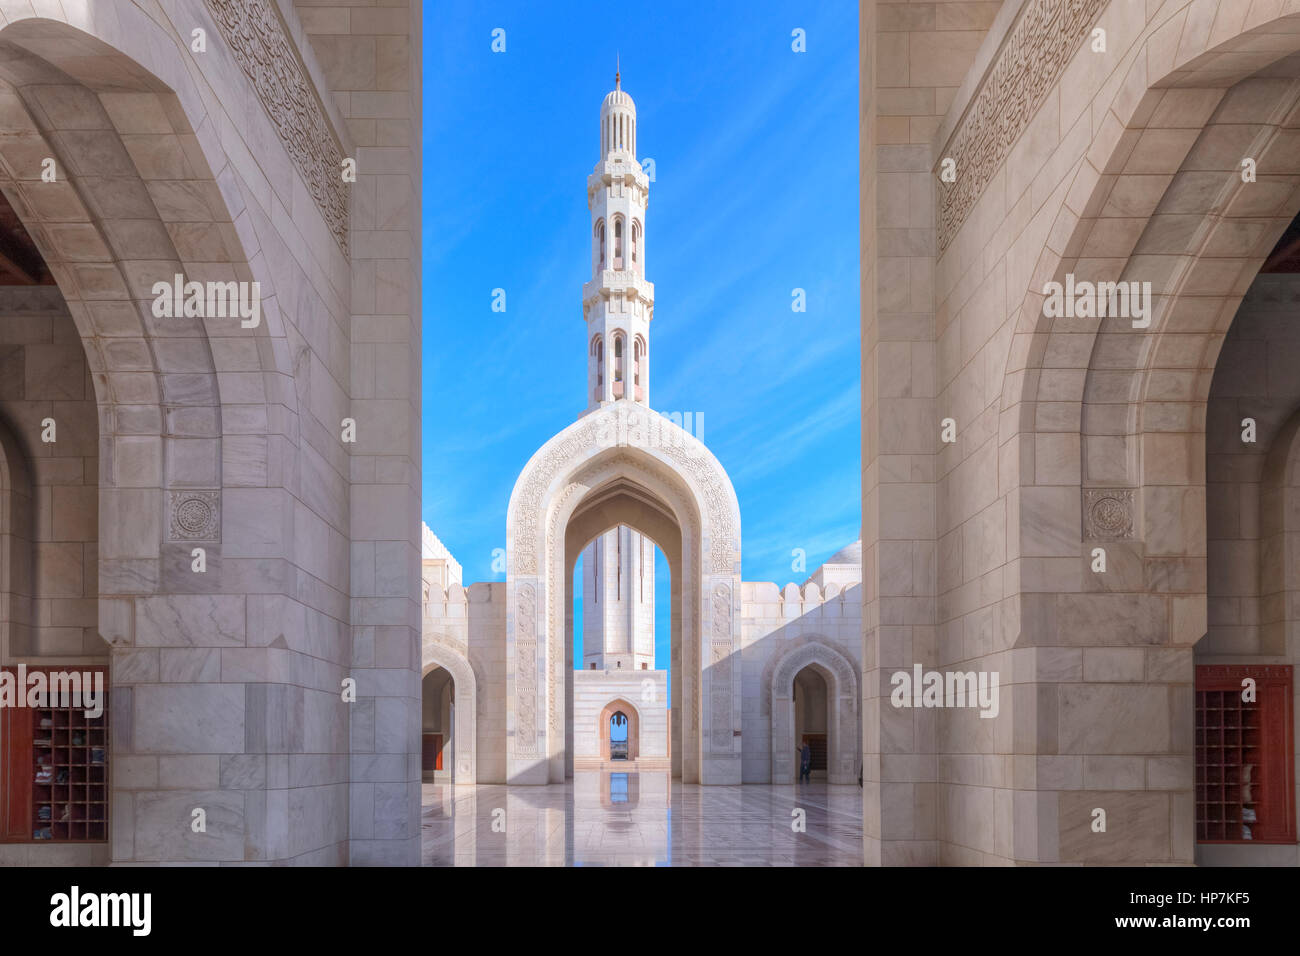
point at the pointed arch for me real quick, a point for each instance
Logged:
(618, 378)
(638, 360)
(605, 469)
(625, 707)
(843, 725)
(466, 690)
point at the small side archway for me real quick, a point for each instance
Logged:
(465, 726)
(842, 725)
(615, 707)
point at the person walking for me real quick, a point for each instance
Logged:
(805, 762)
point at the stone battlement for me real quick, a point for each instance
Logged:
(766, 599)
(758, 598)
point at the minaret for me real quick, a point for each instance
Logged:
(618, 303)
(618, 602)
(618, 576)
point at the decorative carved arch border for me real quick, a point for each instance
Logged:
(608, 429)
(466, 684)
(542, 487)
(843, 725)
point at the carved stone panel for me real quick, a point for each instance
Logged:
(720, 667)
(1108, 514)
(194, 515)
(526, 670)
(1035, 53)
(257, 37)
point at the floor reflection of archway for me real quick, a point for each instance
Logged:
(602, 818)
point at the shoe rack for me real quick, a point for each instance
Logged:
(55, 775)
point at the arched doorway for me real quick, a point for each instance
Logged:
(49, 532)
(1115, 410)
(810, 703)
(814, 696)
(437, 727)
(134, 200)
(1245, 738)
(620, 732)
(449, 717)
(618, 736)
(624, 465)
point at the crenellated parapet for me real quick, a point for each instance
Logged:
(452, 602)
(767, 599)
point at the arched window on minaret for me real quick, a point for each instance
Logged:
(638, 352)
(618, 242)
(618, 366)
(600, 242)
(636, 241)
(598, 354)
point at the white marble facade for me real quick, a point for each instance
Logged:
(288, 452)
(783, 631)
(132, 152)
(1006, 146)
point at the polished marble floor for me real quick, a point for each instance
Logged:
(641, 819)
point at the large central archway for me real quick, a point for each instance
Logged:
(623, 502)
(624, 465)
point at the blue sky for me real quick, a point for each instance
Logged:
(755, 193)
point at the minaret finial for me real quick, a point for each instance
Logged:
(616, 71)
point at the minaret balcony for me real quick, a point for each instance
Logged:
(612, 282)
(619, 172)
(617, 167)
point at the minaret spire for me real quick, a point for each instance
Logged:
(618, 302)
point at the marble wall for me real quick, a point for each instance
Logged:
(1073, 435)
(228, 683)
(647, 694)
(468, 625)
